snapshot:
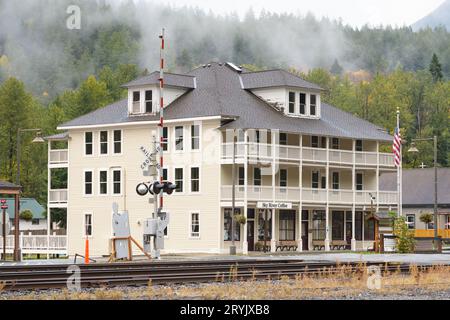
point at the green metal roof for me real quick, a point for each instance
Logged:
(26, 204)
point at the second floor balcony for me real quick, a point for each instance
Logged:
(308, 195)
(261, 152)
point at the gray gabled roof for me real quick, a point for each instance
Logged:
(219, 92)
(274, 78)
(31, 204)
(418, 186)
(170, 79)
(58, 136)
(8, 185)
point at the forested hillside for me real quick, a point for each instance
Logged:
(49, 74)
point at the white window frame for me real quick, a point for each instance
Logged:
(191, 236)
(316, 114)
(338, 143)
(175, 140)
(318, 179)
(107, 182)
(199, 137)
(100, 143)
(338, 182)
(145, 101)
(289, 102)
(254, 177)
(84, 235)
(92, 143)
(138, 102)
(167, 144)
(114, 142)
(175, 192)
(306, 104)
(362, 145)
(84, 183)
(112, 181)
(356, 180)
(408, 215)
(318, 142)
(199, 179)
(287, 178)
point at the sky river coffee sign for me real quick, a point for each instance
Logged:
(274, 205)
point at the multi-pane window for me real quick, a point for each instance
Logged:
(117, 182)
(337, 225)
(88, 182)
(148, 101)
(283, 138)
(283, 178)
(287, 225)
(179, 179)
(315, 180)
(312, 105)
(241, 176)
(291, 102)
(411, 221)
(88, 143)
(195, 225)
(335, 180)
(323, 183)
(359, 145)
(195, 179)
(195, 137)
(264, 225)
(103, 142)
(165, 144)
(314, 141)
(165, 177)
(257, 176)
(335, 143)
(319, 225)
(359, 181)
(103, 180)
(227, 225)
(302, 103)
(88, 225)
(136, 102)
(179, 138)
(117, 135)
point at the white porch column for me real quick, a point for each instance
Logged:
(273, 241)
(49, 183)
(327, 210)
(353, 241)
(244, 239)
(300, 206)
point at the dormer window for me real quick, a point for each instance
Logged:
(291, 102)
(302, 103)
(312, 105)
(136, 102)
(148, 101)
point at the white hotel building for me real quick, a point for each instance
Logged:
(321, 163)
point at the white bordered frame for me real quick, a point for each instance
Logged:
(194, 220)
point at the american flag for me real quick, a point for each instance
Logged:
(396, 147)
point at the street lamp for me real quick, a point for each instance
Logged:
(37, 139)
(413, 149)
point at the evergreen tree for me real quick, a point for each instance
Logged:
(436, 68)
(336, 68)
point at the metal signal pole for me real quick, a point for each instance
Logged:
(161, 115)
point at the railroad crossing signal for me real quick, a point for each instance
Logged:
(3, 204)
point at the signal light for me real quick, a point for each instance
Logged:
(155, 188)
(142, 189)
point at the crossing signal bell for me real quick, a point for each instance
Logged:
(155, 188)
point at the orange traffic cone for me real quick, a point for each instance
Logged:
(86, 252)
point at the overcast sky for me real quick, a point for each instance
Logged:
(353, 12)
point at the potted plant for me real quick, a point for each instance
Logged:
(426, 218)
(239, 218)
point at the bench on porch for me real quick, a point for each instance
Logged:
(318, 245)
(286, 245)
(259, 246)
(339, 245)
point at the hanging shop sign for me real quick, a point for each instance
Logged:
(274, 205)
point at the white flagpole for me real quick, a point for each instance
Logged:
(399, 176)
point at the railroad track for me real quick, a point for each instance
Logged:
(41, 277)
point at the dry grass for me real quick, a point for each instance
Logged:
(340, 282)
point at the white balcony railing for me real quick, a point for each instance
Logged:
(59, 156)
(262, 152)
(30, 244)
(259, 193)
(57, 196)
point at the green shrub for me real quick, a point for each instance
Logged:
(426, 218)
(240, 218)
(26, 215)
(405, 237)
